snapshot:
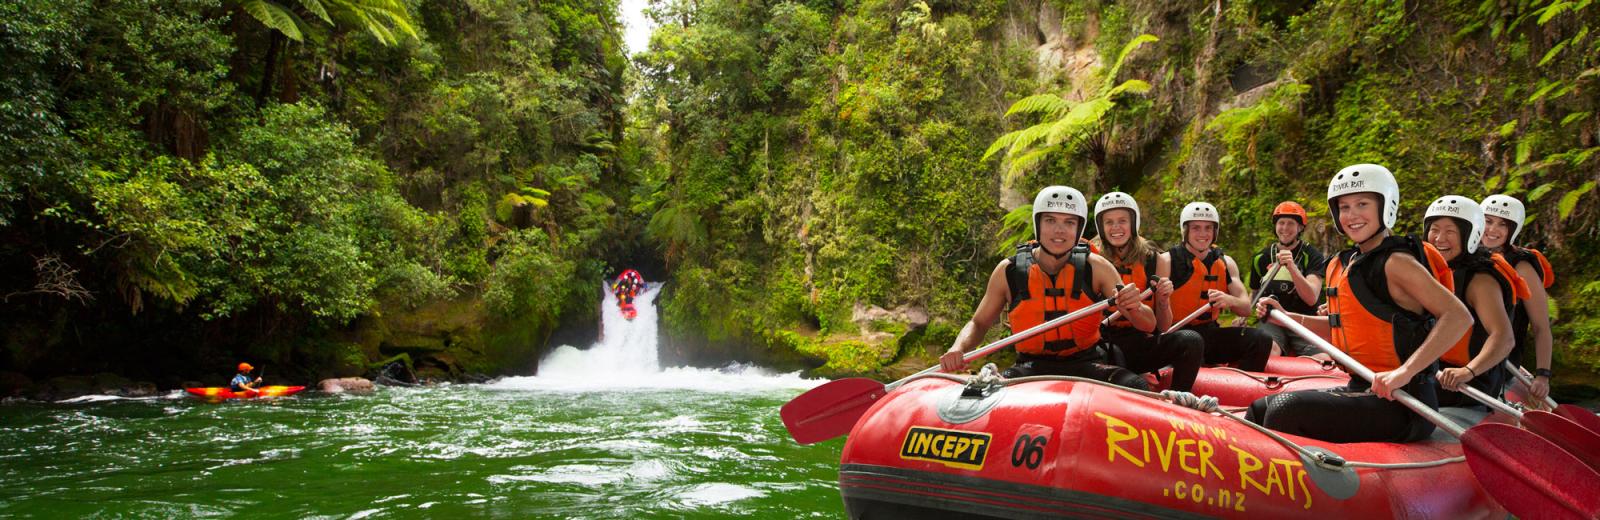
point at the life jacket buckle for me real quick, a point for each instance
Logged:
(1334, 321)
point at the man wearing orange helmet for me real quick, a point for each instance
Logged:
(242, 382)
(1297, 284)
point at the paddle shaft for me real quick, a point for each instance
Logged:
(1018, 337)
(1186, 319)
(1281, 319)
(1270, 273)
(1117, 314)
(1496, 404)
(1516, 372)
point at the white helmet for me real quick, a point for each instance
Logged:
(1198, 211)
(1463, 208)
(1060, 199)
(1508, 208)
(1116, 200)
(1366, 178)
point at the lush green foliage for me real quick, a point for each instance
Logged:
(829, 157)
(180, 161)
(822, 156)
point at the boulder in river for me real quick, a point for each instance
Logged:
(352, 385)
(13, 384)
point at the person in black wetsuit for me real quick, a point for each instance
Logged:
(1298, 282)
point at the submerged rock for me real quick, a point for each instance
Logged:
(351, 385)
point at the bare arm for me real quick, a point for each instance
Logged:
(1538, 316)
(1241, 297)
(1484, 294)
(995, 295)
(1316, 324)
(1409, 280)
(1163, 303)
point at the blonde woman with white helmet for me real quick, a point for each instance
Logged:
(1381, 294)
(1053, 279)
(1530, 322)
(1116, 218)
(1202, 274)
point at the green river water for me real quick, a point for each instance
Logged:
(605, 435)
(451, 451)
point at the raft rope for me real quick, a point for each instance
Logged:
(1273, 382)
(1208, 404)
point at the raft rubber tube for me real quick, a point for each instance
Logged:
(1058, 448)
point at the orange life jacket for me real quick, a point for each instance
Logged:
(1137, 274)
(1192, 277)
(1541, 265)
(1366, 322)
(1512, 290)
(1037, 297)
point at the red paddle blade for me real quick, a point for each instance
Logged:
(1577, 440)
(1530, 476)
(1577, 414)
(830, 410)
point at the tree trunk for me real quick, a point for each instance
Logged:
(266, 72)
(290, 92)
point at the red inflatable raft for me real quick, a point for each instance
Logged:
(1303, 366)
(1058, 448)
(219, 393)
(1234, 387)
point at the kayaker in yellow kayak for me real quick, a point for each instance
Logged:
(242, 382)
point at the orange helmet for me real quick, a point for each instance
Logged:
(245, 367)
(1289, 208)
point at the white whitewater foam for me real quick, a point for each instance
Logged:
(626, 357)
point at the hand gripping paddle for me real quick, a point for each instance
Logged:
(1526, 473)
(831, 410)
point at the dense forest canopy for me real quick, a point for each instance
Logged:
(309, 181)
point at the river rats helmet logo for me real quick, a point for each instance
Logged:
(957, 449)
(1365, 178)
(1116, 200)
(1060, 199)
(1463, 209)
(1506, 207)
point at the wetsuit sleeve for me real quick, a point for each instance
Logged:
(1256, 266)
(1316, 262)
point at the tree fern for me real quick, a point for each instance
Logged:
(1065, 126)
(1111, 75)
(315, 7)
(1016, 228)
(1047, 104)
(275, 16)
